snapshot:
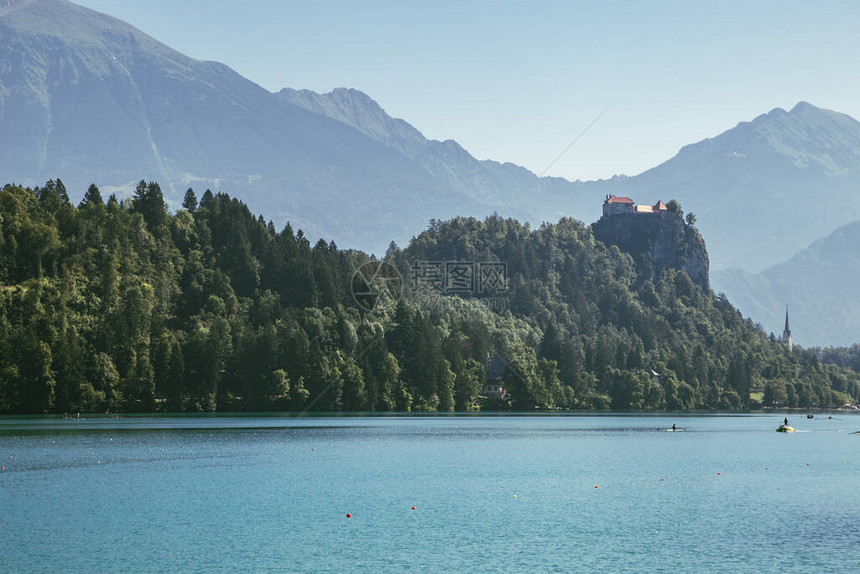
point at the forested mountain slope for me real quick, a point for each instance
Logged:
(124, 306)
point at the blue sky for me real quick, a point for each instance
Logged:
(518, 81)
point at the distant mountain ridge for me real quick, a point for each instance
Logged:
(91, 99)
(502, 186)
(819, 284)
(88, 98)
(763, 190)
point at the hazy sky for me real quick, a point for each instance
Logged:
(518, 81)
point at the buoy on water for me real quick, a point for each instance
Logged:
(413, 508)
(348, 515)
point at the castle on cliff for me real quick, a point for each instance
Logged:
(614, 205)
(656, 234)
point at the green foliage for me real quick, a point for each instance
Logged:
(673, 207)
(189, 202)
(149, 202)
(608, 327)
(92, 197)
(125, 307)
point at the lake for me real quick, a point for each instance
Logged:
(490, 493)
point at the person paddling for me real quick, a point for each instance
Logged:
(673, 426)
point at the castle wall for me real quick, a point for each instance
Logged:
(617, 208)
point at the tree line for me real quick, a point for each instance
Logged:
(120, 305)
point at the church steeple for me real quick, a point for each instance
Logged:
(786, 334)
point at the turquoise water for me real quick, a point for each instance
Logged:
(491, 493)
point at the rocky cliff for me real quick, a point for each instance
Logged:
(796, 170)
(657, 241)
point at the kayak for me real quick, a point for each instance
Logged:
(675, 430)
(784, 428)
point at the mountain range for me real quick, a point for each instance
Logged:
(819, 285)
(763, 190)
(89, 98)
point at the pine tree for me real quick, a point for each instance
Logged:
(92, 197)
(189, 202)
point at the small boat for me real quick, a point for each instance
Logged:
(784, 428)
(676, 429)
(810, 416)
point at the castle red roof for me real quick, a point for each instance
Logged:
(614, 199)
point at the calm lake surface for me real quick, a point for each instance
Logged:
(491, 493)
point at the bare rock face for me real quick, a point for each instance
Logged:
(661, 240)
(763, 190)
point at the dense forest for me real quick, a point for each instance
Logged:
(842, 356)
(122, 306)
